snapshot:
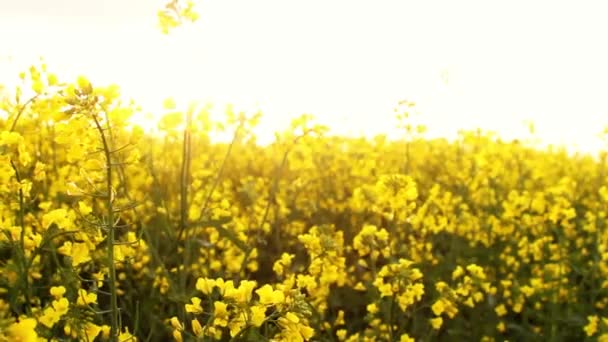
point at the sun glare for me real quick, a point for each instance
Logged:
(349, 63)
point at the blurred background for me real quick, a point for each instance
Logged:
(466, 64)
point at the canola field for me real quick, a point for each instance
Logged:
(111, 234)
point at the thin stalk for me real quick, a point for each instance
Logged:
(114, 329)
(188, 255)
(391, 329)
(184, 207)
(274, 189)
(24, 263)
(218, 176)
(407, 156)
(185, 177)
(14, 124)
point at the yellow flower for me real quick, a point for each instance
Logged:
(406, 338)
(258, 315)
(292, 317)
(591, 327)
(436, 322)
(340, 318)
(243, 293)
(517, 307)
(458, 272)
(360, 287)
(57, 216)
(527, 290)
(105, 332)
(175, 323)
(52, 79)
(52, 315)
(283, 263)
(169, 103)
(205, 285)
(48, 319)
(438, 307)
(237, 324)
(306, 332)
(220, 314)
(61, 306)
(195, 307)
(126, 336)
(23, 331)
(91, 330)
(177, 336)
(386, 290)
(57, 291)
(85, 298)
(268, 296)
(79, 252)
(476, 271)
(10, 138)
(197, 329)
(84, 208)
(501, 310)
(84, 85)
(293, 329)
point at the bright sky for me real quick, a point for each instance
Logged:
(467, 64)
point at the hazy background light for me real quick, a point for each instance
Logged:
(466, 64)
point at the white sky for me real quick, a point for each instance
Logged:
(467, 64)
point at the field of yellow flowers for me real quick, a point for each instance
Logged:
(108, 233)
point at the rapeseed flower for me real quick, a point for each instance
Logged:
(268, 296)
(23, 331)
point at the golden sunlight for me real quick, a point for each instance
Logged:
(466, 65)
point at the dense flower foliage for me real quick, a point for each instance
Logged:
(108, 233)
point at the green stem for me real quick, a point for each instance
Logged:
(24, 263)
(391, 329)
(184, 208)
(114, 329)
(14, 124)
